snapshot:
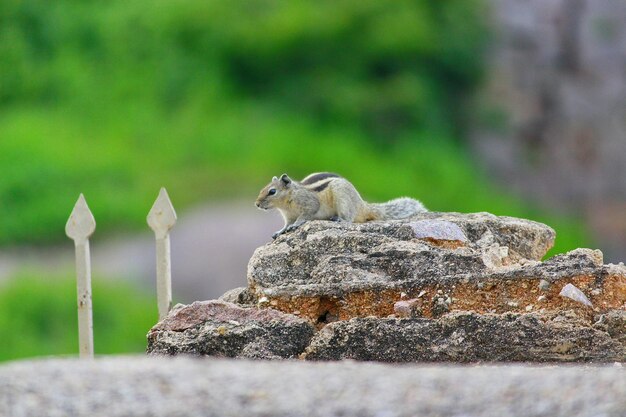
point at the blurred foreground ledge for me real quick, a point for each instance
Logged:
(137, 386)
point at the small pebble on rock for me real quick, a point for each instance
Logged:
(544, 285)
(572, 292)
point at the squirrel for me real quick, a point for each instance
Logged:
(327, 196)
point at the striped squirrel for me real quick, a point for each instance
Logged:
(327, 196)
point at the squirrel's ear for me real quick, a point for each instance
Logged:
(285, 179)
(274, 178)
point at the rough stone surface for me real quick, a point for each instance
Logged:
(436, 287)
(409, 308)
(614, 323)
(223, 329)
(185, 387)
(469, 337)
(326, 257)
(240, 296)
(479, 262)
(438, 231)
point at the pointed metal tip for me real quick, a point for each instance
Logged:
(162, 216)
(81, 223)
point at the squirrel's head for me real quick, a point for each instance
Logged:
(275, 193)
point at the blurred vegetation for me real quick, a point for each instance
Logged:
(210, 99)
(37, 317)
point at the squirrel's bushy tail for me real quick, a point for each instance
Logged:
(399, 208)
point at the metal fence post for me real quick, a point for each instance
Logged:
(80, 226)
(161, 219)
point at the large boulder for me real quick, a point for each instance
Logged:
(435, 287)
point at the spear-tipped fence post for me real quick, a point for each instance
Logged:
(79, 227)
(161, 219)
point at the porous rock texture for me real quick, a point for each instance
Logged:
(187, 387)
(465, 337)
(337, 258)
(435, 287)
(224, 329)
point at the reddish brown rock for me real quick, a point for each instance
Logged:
(219, 328)
(409, 308)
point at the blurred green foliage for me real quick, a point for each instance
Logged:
(211, 98)
(38, 317)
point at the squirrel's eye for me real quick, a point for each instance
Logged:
(272, 191)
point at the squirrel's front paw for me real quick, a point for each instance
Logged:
(291, 228)
(276, 234)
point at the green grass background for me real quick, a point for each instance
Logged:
(38, 317)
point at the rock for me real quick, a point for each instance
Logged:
(240, 296)
(345, 239)
(225, 329)
(439, 231)
(439, 306)
(159, 387)
(435, 287)
(482, 262)
(614, 323)
(572, 292)
(395, 249)
(466, 337)
(408, 308)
